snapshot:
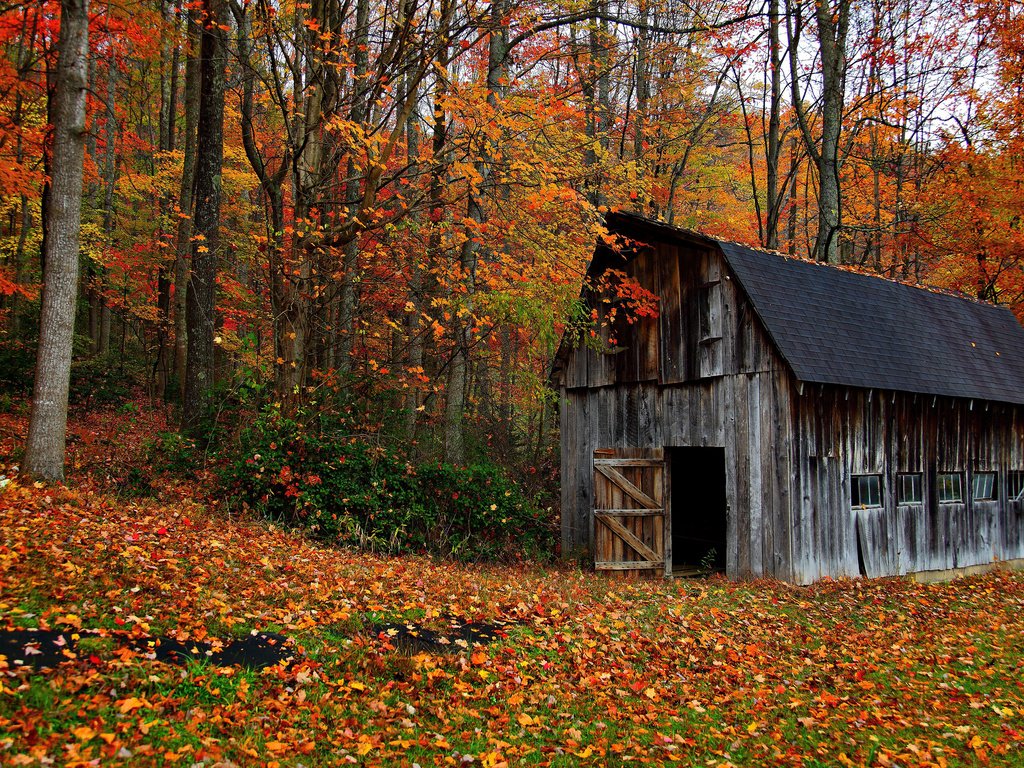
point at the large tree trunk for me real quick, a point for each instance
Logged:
(832, 30)
(44, 452)
(183, 241)
(201, 298)
(833, 27)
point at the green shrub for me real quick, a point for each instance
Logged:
(344, 490)
(102, 380)
(17, 366)
(174, 453)
(479, 511)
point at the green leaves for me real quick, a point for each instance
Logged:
(346, 491)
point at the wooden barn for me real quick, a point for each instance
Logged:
(787, 419)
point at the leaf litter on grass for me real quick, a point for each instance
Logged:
(583, 671)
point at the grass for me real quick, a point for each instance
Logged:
(591, 672)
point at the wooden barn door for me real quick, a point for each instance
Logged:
(631, 527)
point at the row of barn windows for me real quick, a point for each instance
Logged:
(866, 490)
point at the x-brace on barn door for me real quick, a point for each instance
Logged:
(631, 527)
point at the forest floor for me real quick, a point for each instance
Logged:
(576, 670)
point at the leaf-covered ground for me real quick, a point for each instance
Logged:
(589, 671)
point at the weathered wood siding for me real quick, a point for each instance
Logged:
(847, 432)
(704, 373)
(716, 383)
(744, 414)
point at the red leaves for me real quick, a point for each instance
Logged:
(687, 672)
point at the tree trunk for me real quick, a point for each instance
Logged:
(459, 366)
(794, 171)
(44, 452)
(642, 75)
(101, 340)
(183, 240)
(773, 148)
(201, 299)
(20, 267)
(833, 26)
(412, 328)
(169, 56)
(353, 191)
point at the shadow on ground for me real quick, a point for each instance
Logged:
(45, 648)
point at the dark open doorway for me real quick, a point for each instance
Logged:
(698, 508)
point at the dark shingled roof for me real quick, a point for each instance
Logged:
(838, 327)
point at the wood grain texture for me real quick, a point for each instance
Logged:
(791, 448)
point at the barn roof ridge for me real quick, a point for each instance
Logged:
(845, 327)
(851, 268)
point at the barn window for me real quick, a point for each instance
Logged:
(984, 486)
(866, 491)
(709, 305)
(951, 488)
(908, 488)
(709, 341)
(1015, 486)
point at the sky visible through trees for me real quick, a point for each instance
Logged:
(386, 209)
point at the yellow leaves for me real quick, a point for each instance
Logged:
(84, 733)
(70, 620)
(147, 312)
(355, 685)
(124, 706)
(493, 760)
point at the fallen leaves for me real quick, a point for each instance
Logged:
(583, 670)
(130, 705)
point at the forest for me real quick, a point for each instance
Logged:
(382, 213)
(280, 276)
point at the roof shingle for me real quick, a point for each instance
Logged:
(838, 327)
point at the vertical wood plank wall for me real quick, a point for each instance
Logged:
(847, 432)
(630, 403)
(791, 449)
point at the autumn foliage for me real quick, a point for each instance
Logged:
(409, 201)
(585, 671)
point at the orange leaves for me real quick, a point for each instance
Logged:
(690, 672)
(131, 704)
